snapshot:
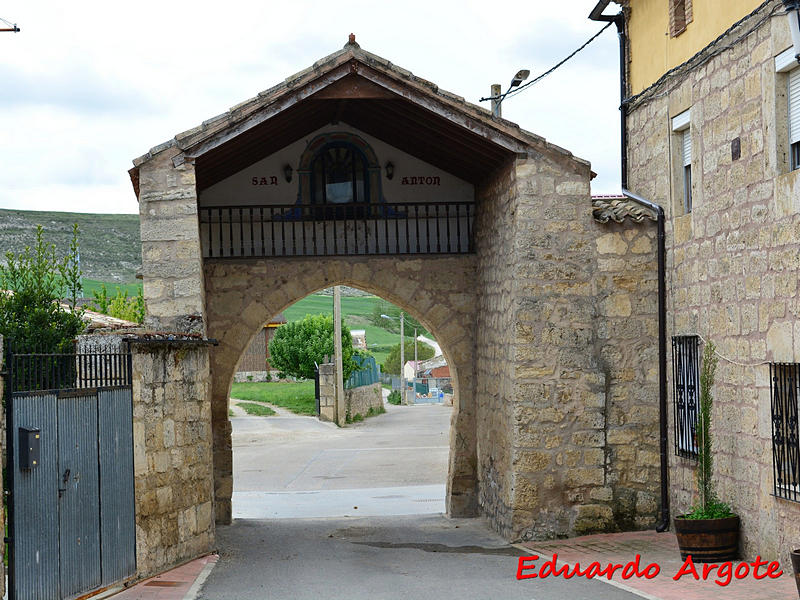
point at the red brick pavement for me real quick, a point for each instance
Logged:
(172, 585)
(662, 549)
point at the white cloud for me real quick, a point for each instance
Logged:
(89, 86)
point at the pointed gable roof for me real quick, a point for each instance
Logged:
(369, 93)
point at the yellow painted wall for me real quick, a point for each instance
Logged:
(653, 52)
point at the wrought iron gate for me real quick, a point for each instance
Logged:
(70, 473)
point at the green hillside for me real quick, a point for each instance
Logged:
(356, 311)
(110, 246)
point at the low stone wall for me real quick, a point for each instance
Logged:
(358, 401)
(172, 454)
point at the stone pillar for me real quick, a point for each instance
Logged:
(171, 255)
(327, 392)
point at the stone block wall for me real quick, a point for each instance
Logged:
(566, 358)
(171, 256)
(559, 461)
(358, 401)
(626, 288)
(494, 360)
(732, 263)
(172, 455)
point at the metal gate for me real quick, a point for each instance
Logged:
(70, 473)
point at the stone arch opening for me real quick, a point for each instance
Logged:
(242, 296)
(316, 454)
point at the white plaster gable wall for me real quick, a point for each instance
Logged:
(238, 189)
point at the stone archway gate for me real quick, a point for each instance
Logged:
(545, 315)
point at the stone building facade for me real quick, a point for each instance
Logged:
(732, 255)
(543, 314)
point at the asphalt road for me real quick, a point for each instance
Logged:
(289, 466)
(355, 513)
(379, 558)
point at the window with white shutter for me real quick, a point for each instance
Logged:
(681, 127)
(786, 63)
(794, 117)
(687, 170)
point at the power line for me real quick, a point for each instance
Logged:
(12, 27)
(550, 70)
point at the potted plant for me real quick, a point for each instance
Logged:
(710, 532)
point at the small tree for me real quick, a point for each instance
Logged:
(392, 364)
(710, 507)
(34, 282)
(120, 306)
(298, 345)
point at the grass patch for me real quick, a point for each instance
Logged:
(255, 409)
(375, 410)
(230, 413)
(297, 397)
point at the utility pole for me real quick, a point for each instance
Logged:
(337, 352)
(403, 361)
(10, 27)
(416, 366)
(496, 99)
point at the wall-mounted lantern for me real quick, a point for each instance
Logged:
(793, 11)
(389, 170)
(287, 173)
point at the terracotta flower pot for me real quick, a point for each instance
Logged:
(708, 540)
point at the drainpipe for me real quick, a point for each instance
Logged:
(619, 21)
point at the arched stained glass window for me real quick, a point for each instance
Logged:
(339, 175)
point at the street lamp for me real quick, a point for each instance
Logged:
(497, 97)
(402, 355)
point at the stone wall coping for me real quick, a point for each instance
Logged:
(171, 339)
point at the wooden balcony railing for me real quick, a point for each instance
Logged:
(337, 230)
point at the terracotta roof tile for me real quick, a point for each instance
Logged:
(607, 208)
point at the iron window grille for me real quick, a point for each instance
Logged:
(784, 378)
(686, 388)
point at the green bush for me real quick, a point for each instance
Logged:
(297, 346)
(32, 315)
(394, 397)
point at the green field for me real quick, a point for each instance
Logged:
(90, 285)
(356, 311)
(297, 397)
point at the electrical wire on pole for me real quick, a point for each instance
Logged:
(514, 92)
(10, 27)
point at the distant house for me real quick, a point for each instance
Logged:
(359, 338)
(435, 367)
(254, 365)
(410, 368)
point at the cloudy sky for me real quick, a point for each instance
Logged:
(87, 86)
